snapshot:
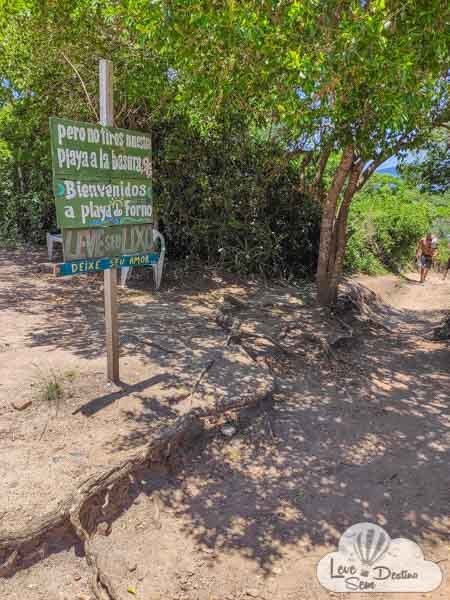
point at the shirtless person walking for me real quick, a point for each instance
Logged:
(426, 249)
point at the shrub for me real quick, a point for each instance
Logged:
(385, 223)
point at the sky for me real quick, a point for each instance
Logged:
(390, 162)
(393, 160)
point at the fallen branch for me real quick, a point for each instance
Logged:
(203, 372)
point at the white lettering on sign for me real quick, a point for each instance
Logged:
(72, 158)
(79, 189)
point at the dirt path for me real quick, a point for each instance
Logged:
(52, 334)
(250, 516)
(408, 294)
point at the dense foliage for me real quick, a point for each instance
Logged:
(234, 201)
(430, 168)
(228, 199)
(386, 221)
(263, 114)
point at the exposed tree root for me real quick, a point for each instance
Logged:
(228, 322)
(443, 331)
(101, 583)
(236, 334)
(150, 343)
(326, 347)
(265, 306)
(323, 344)
(81, 512)
(261, 336)
(236, 302)
(9, 563)
(361, 302)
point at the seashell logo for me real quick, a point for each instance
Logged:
(368, 560)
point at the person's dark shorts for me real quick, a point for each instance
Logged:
(426, 261)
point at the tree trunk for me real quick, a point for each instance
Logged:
(317, 184)
(327, 227)
(340, 235)
(302, 168)
(20, 178)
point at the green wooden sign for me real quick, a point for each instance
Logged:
(101, 175)
(107, 241)
(78, 267)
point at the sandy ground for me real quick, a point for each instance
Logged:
(242, 517)
(52, 330)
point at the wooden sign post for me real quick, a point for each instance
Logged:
(110, 275)
(102, 181)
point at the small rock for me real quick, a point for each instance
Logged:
(252, 592)
(77, 576)
(132, 566)
(228, 430)
(103, 529)
(276, 571)
(21, 404)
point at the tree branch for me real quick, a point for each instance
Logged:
(439, 120)
(404, 142)
(91, 104)
(323, 161)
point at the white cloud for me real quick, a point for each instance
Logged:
(368, 560)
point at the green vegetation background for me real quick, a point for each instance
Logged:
(232, 189)
(231, 198)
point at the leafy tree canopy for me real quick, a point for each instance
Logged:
(430, 167)
(344, 84)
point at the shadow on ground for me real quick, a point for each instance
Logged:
(367, 440)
